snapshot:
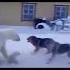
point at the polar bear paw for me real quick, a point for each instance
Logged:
(12, 58)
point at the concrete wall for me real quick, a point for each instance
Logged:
(10, 12)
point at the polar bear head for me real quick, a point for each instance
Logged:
(11, 34)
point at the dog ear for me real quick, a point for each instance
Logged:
(33, 36)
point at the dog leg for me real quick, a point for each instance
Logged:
(51, 58)
(37, 49)
(54, 52)
(68, 54)
(4, 52)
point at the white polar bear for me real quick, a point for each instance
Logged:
(4, 36)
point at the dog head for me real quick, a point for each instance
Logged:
(31, 38)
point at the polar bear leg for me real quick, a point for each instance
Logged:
(12, 58)
(4, 52)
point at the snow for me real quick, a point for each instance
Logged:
(27, 59)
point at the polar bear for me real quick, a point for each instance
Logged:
(4, 36)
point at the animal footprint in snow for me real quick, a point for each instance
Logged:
(12, 58)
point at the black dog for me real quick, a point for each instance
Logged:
(40, 42)
(52, 46)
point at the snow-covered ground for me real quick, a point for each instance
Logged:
(27, 59)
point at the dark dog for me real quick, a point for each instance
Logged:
(41, 43)
(52, 46)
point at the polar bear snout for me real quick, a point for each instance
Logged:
(18, 39)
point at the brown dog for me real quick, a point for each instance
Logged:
(38, 43)
(48, 43)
